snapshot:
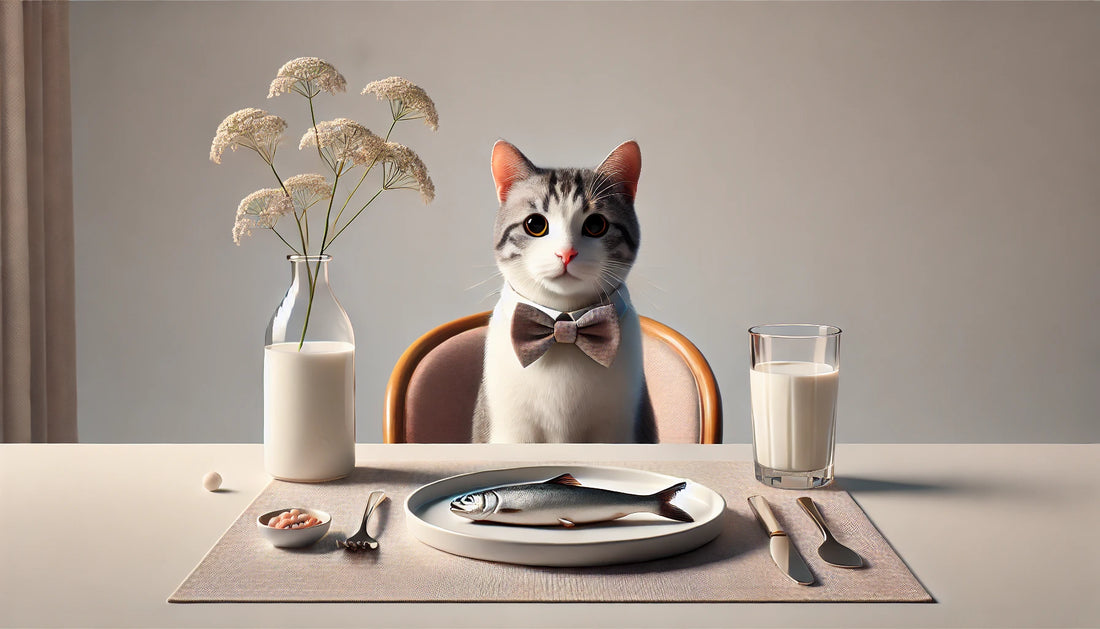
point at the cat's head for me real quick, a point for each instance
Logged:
(566, 237)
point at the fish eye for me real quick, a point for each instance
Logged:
(594, 226)
(536, 225)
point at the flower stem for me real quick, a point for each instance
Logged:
(285, 242)
(356, 216)
(309, 306)
(303, 236)
(313, 117)
(356, 189)
(313, 278)
(328, 214)
(277, 177)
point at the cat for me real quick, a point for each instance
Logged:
(564, 241)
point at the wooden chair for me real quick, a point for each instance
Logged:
(432, 391)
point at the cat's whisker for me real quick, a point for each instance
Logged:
(652, 283)
(618, 264)
(494, 296)
(613, 274)
(605, 297)
(611, 270)
(485, 281)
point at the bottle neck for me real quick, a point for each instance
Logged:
(307, 270)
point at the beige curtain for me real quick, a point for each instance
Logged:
(38, 340)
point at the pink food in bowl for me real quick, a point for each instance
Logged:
(293, 519)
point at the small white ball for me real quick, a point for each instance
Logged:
(212, 481)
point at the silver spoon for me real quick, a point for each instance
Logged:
(832, 551)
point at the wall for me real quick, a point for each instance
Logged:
(925, 176)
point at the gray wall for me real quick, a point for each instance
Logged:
(926, 176)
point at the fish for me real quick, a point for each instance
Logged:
(564, 501)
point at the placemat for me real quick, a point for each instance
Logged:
(734, 567)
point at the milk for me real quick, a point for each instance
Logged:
(309, 410)
(794, 414)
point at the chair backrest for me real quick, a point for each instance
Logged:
(432, 391)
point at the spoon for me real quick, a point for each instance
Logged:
(832, 551)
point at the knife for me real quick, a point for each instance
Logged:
(784, 554)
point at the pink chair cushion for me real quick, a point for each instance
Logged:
(439, 405)
(442, 391)
(672, 392)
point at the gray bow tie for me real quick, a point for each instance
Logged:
(596, 333)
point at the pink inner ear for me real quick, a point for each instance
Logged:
(509, 166)
(624, 165)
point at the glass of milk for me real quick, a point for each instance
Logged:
(793, 377)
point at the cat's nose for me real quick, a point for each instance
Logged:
(566, 255)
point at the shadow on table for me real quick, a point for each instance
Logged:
(730, 543)
(860, 484)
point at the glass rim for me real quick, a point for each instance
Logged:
(830, 330)
(293, 257)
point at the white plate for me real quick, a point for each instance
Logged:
(637, 537)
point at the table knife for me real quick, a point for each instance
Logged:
(784, 554)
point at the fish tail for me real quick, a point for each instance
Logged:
(665, 508)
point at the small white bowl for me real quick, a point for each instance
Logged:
(294, 538)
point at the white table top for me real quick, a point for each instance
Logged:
(100, 535)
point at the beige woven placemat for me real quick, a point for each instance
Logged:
(736, 566)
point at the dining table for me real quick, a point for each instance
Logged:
(100, 535)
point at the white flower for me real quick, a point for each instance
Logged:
(308, 190)
(341, 139)
(407, 171)
(261, 210)
(407, 100)
(308, 76)
(251, 128)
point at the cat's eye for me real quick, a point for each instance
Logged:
(594, 226)
(536, 225)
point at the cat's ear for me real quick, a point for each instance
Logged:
(509, 166)
(624, 165)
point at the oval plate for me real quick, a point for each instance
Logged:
(637, 537)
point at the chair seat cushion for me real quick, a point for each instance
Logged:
(439, 405)
(672, 392)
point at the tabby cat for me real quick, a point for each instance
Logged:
(563, 354)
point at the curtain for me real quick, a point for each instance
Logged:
(37, 295)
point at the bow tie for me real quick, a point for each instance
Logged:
(596, 333)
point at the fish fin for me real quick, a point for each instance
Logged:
(566, 523)
(666, 509)
(565, 479)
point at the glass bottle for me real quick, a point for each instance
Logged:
(309, 380)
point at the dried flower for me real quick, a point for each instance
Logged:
(371, 150)
(261, 209)
(341, 139)
(308, 190)
(308, 76)
(251, 128)
(408, 171)
(407, 100)
(342, 144)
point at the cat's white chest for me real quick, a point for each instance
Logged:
(564, 396)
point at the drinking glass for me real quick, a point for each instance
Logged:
(793, 378)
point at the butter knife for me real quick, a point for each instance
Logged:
(784, 554)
